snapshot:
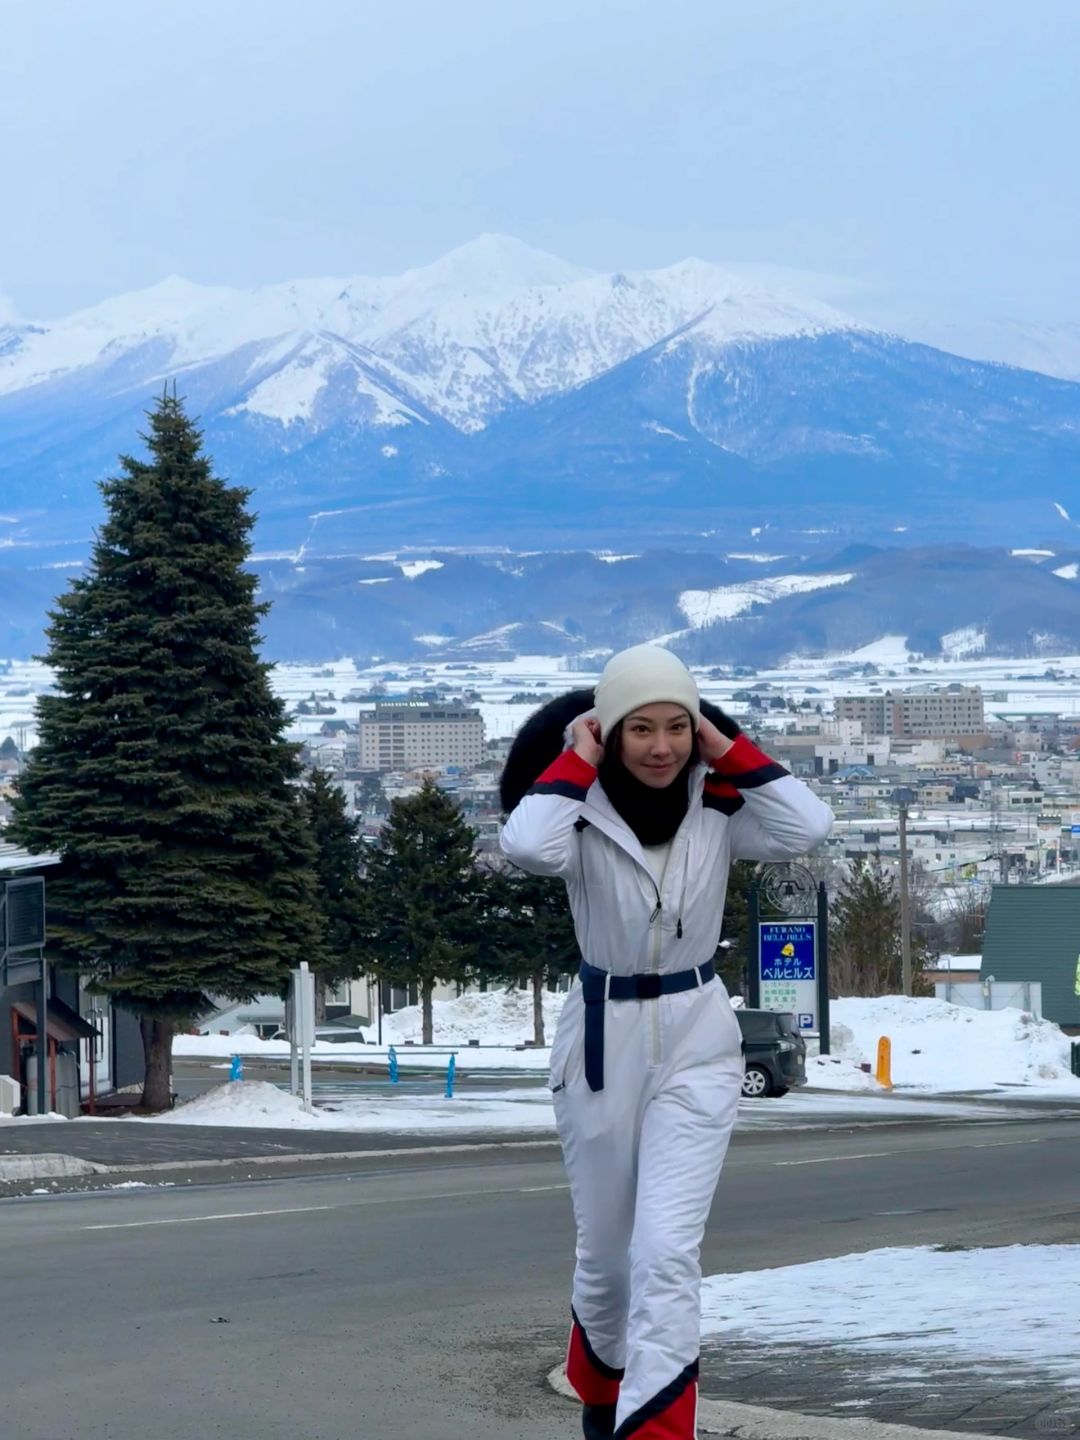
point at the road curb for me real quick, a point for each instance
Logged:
(46, 1167)
(20, 1169)
(299, 1157)
(755, 1422)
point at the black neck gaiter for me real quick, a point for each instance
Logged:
(653, 814)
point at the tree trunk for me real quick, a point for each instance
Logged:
(538, 1007)
(157, 1038)
(425, 1000)
(320, 1000)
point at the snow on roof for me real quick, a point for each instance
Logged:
(14, 857)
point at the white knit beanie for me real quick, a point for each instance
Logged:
(643, 675)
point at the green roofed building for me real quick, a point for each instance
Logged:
(1033, 933)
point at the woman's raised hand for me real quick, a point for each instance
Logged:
(712, 742)
(585, 733)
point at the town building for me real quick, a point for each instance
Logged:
(953, 712)
(93, 1046)
(1031, 935)
(410, 735)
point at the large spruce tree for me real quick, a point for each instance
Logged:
(162, 775)
(423, 912)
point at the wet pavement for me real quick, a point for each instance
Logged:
(929, 1390)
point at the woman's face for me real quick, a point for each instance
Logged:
(656, 743)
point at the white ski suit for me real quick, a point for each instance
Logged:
(643, 1153)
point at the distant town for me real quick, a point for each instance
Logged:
(986, 776)
(989, 798)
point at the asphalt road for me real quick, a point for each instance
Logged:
(425, 1298)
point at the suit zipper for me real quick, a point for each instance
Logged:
(657, 925)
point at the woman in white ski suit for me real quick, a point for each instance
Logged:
(646, 1064)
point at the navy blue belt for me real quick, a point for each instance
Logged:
(597, 986)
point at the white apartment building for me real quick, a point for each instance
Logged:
(407, 735)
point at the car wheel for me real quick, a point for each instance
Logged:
(757, 1082)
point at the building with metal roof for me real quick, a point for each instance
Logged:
(1033, 933)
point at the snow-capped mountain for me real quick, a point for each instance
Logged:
(502, 395)
(491, 323)
(1051, 349)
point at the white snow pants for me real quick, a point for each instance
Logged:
(643, 1157)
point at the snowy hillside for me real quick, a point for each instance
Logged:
(711, 605)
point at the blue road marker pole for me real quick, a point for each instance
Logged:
(450, 1078)
(393, 1065)
(236, 1071)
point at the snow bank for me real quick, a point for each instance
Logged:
(1016, 1304)
(258, 1103)
(390, 1110)
(31, 1119)
(938, 1046)
(498, 1017)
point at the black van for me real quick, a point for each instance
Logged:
(774, 1051)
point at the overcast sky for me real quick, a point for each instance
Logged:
(925, 150)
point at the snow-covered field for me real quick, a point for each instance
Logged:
(704, 607)
(1016, 1303)
(801, 677)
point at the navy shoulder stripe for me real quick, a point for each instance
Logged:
(751, 779)
(565, 788)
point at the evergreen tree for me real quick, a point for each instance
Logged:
(528, 934)
(864, 944)
(8, 749)
(733, 959)
(162, 775)
(370, 796)
(422, 911)
(339, 888)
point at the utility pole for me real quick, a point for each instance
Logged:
(905, 906)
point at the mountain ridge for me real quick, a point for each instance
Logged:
(503, 396)
(709, 604)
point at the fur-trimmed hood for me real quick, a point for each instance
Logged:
(541, 740)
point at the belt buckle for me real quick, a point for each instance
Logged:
(649, 987)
